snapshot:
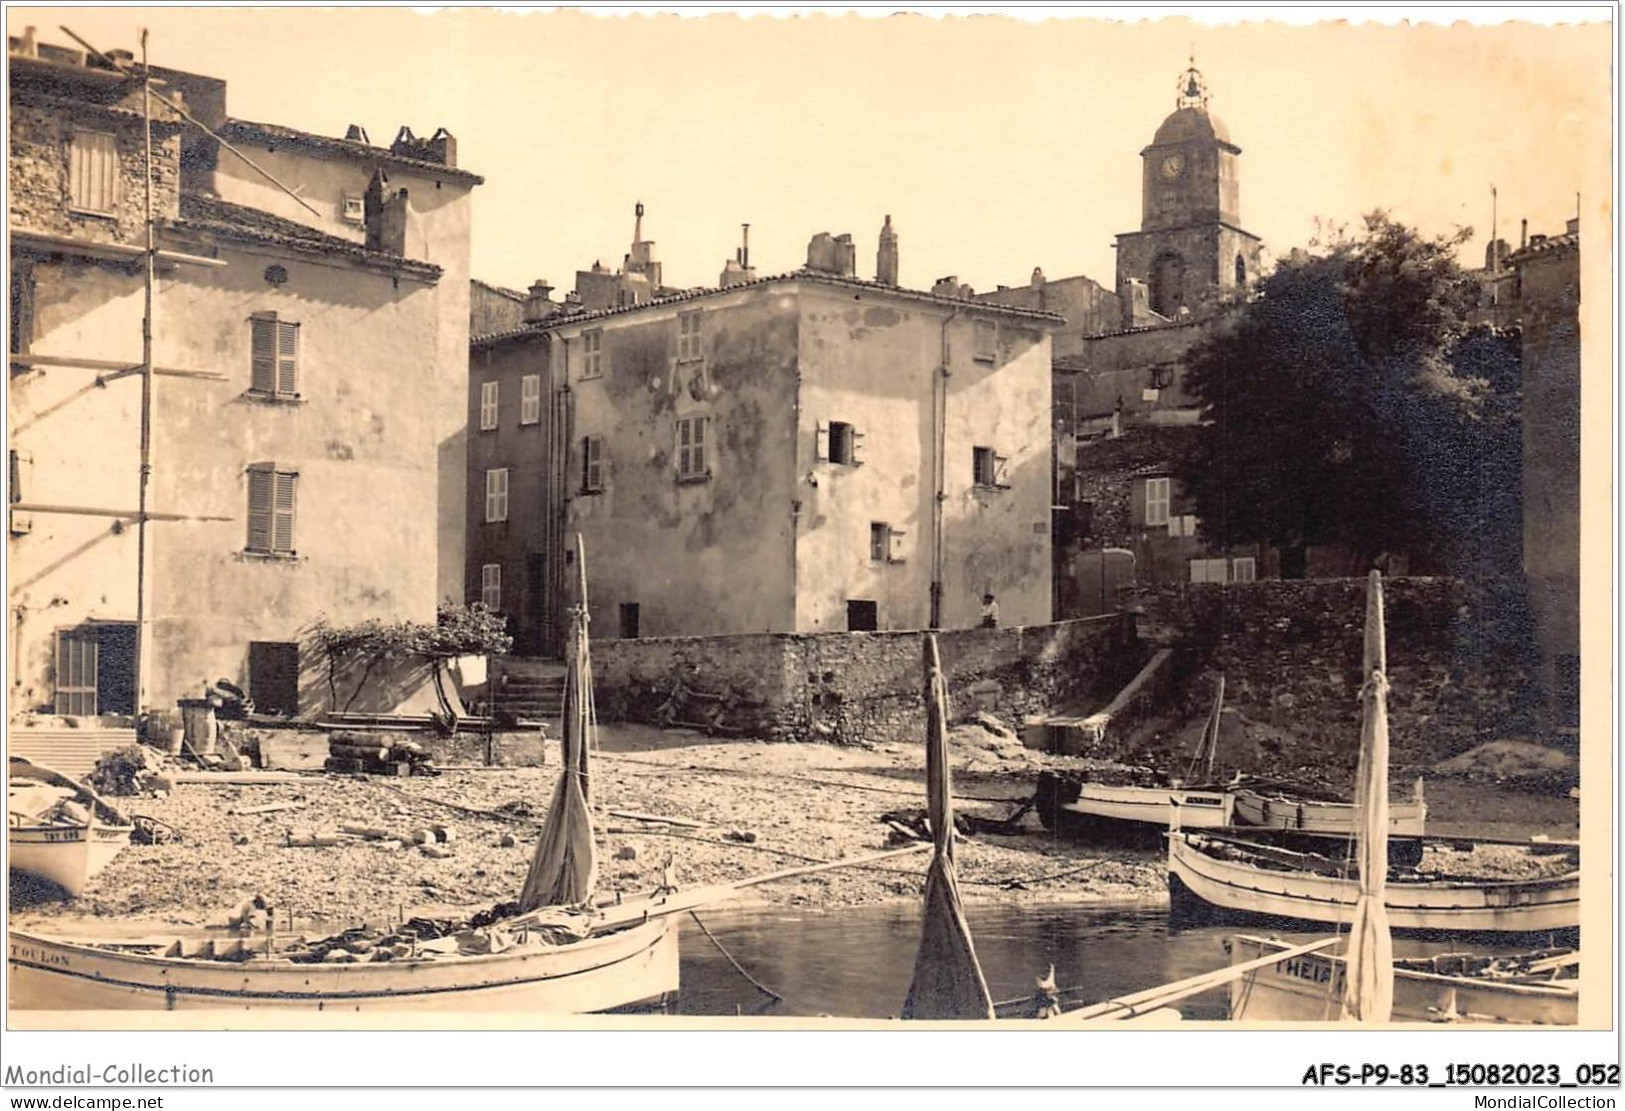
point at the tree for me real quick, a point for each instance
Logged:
(1350, 403)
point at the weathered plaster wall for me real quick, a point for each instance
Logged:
(864, 687)
(704, 557)
(1089, 307)
(81, 447)
(362, 438)
(438, 231)
(871, 362)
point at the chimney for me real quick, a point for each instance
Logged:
(946, 287)
(442, 148)
(538, 302)
(826, 253)
(355, 133)
(1573, 226)
(384, 216)
(1523, 237)
(372, 208)
(886, 257)
(744, 246)
(1038, 277)
(738, 270)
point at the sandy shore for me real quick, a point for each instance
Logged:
(798, 801)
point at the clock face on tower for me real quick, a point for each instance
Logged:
(1172, 166)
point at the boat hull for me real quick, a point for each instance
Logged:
(67, 856)
(634, 967)
(1198, 881)
(1309, 988)
(1405, 819)
(1195, 808)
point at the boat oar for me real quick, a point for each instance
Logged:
(1153, 998)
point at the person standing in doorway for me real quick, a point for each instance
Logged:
(990, 612)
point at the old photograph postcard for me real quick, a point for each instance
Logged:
(628, 520)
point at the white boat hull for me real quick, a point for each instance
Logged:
(1405, 819)
(67, 856)
(630, 967)
(1309, 988)
(1196, 809)
(1493, 907)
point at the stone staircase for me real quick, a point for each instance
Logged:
(530, 688)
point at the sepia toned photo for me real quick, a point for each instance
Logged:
(807, 520)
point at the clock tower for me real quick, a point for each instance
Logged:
(1191, 250)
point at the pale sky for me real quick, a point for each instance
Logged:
(996, 144)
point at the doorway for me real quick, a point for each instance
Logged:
(629, 621)
(95, 669)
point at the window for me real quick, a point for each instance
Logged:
(688, 337)
(986, 341)
(839, 442)
(496, 495)
(273, 677)
(271, 509)
(93, 172)
(1156, 501)
(879, 541)
(489, 392)
(1241, 270)
(862, 616)
(352, 208)
(629, 621)
(691, 459)
(1183, 524)
(592, 352)
(1243, 570)
(274, 356)
(592, 464)
(530, 399)
(989, 468)
(491, 586)
(1207, 570)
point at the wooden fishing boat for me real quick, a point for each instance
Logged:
(1222, 876)
(50, 841)
(1278, 806)
(1535, 988)
(624, 969)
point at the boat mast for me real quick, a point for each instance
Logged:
(141, 638)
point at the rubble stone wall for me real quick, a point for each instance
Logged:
(849, 688)
(1290, 652)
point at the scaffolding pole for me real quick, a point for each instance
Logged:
(149, 269)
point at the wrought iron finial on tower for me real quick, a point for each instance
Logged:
(637, 225)
(1192, 88)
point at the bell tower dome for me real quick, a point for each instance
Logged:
(1190, 249)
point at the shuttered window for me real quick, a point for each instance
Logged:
(93, 172)
(986, 341)
(592, 351)
(689, 337)
(1244, 569)
(691, 464)
(496, 495)
(489, 393)
(592, 464)
(530, 399)
(77, 657)
(491, 585)
(275, 344)
(1156, 501)
(271, 497)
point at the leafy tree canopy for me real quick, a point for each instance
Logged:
(1351, 401)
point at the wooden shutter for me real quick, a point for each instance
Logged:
(855, 442)
(592, 470)
(263, 328)
(93, 171)
(894, 544)
(1001, 466)
(282, 527)
(821, 451)
(261, 491)
(287, 358)
(77, 657)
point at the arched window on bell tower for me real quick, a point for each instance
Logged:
(1241, 271)
(1168, 284)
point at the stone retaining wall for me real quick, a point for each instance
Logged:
(857, 687)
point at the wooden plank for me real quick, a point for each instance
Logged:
(125, 514)
(237, 778)
(635, 816)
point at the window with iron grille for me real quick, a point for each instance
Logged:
(93, 172)
(496, 495)
(530, 399)
(592, 464)
(689, 336)
(271, 498)
(592, 353)
(691, 448)
(489, 393)
(275, 356)
(491, 585)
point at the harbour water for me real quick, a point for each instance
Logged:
(856, 962)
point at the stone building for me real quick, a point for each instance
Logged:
(309, 366)
(800, 453)
(1548, 298)
(1119, 368)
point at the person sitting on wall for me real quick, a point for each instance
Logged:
(990, 612)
